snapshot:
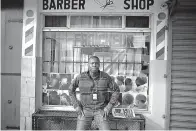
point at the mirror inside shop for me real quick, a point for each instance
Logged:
(123, 56)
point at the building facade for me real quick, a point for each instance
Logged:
(130, 38)
(137, 40)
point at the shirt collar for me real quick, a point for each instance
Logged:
(98, 74)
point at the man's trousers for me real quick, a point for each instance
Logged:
(84, 121)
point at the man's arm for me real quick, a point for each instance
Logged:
(72, 91)
(115, 95)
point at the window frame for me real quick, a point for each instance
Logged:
(115, 30)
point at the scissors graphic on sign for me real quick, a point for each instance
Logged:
(105, 4)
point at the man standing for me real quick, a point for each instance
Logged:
(95, 101)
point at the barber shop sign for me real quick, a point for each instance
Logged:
(97, 5)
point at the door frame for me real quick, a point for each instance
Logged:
(168, 81)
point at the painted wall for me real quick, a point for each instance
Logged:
(155, 119)
(11, 46)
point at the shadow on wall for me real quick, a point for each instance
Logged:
(151, 125)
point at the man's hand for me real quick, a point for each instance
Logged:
(106, 112)
(80, 111)
(107, 109)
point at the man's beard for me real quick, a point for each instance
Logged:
(94, 73)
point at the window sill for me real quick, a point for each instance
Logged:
(58, 108)
(142, 112)
(71, 108)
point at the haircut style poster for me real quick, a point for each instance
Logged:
(55, 89)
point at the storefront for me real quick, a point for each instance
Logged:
(129, 37)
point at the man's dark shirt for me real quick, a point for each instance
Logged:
(106, 89)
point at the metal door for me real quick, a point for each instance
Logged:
(11, 34)
(182, 108)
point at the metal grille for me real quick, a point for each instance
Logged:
(67, 120)
(122, 125)
(183, 71)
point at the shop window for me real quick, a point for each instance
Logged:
(123, 55)
(81, 22)
(55, 21)
(107, 22)
(137, 21)
(96, 22)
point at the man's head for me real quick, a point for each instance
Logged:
(128, 81)
(127, 99)
(128, 84)
(93, 64)
(119, 80)
(141, 98)
(140, 81)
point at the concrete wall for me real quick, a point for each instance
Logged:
(30, 65)
(27, 100)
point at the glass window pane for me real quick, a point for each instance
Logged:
(64, 98)
(45, 98)
(66, 68)
(55, 21)
(54, 67)
(77, 67)
(84, 67)
(108, 68)
(108, 58)
(101, 67)
(138, 55)
(116, 40)
(137, 69)
(78, 38)
(77, 54)
(122, 56)
(62, 68)
(85, 58)
(54, 98)
(129, 70)
(139, 41)
(111, 22)
(47, 50)
(114, 68)
(130, 55)
(81, 22)
(122, 69)
(96, 21)
(46, 66)
(65, 55)
(137, 21)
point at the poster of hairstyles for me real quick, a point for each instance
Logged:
(57, 81)
(55, 89)
(133, 91)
